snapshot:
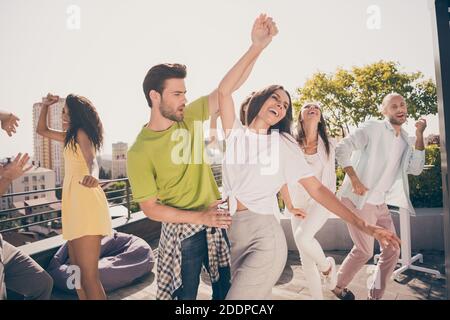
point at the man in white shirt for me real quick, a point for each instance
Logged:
(385, 155)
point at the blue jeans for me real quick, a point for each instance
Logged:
(194, 252)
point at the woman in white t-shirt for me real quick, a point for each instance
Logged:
(259, 160)
(319, 152)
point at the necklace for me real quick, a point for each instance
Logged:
(310, 148)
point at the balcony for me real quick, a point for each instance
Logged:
(410, 285)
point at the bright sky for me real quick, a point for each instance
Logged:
(107, 58)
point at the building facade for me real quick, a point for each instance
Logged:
(119, 160)
(49, 153)
(34, 180)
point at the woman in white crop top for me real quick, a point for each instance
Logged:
(259, 160)
(319, 151)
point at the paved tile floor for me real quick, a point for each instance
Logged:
(412, 285)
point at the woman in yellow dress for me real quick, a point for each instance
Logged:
(85, 215)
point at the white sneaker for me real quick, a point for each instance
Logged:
(330, 279)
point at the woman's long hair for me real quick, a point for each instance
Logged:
(83, 116)
(244, 108)
(259, 98)
(322, 129)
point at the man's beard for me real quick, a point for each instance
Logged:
(167, 113)
(396, 122)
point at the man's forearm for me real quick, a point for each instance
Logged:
(351, 173)
(163, 213)
(420, 144)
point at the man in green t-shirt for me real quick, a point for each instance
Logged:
(173, 184)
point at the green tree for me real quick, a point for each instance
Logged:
(340, 175)
(104, 174)
(135, 207)
(426, 189)
(116, 186)
(350, 97)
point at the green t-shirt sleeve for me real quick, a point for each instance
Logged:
(197, 110)
(141, 176)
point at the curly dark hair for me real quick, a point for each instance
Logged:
(83, 115)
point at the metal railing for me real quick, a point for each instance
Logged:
(112, 202)
(39, 217)
(217, 173)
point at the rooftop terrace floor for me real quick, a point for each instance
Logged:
(412, 285)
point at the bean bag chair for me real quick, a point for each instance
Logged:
(123, 259)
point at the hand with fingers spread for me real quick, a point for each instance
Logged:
(16, 168)
(385, 237)
(264, 29)
(9, 122)
(49, 100)
(216, 217)
(89, 181)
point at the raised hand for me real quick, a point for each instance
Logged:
(264, 29)
(9, 123)
(273, 29)
(421, 124)
(50, 99)
(16, 168)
